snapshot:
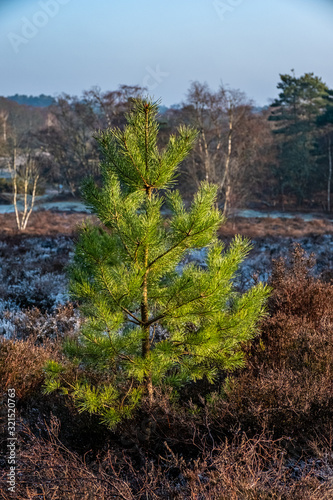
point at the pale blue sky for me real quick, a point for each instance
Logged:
(51, 46)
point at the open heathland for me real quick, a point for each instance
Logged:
(262, 432)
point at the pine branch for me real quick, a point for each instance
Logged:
(134, 164)
(124, 309)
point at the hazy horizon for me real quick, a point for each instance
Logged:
(54, 46)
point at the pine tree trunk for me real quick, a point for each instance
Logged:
(144, 303)
(146, 327)
(145, 340)
(144, 317)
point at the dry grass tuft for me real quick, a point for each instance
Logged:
(251, 469)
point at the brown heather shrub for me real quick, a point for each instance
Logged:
(249, 469)
(298, 333)
(297, 293)
(21, 364)
(288, 385)
(37, 338)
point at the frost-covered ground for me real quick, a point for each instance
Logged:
(49, 201)
(275, 214)
(64, 206)
(32, 275)
(258, 264)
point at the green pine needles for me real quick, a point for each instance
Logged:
(149, 323)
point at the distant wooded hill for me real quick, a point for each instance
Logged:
(41, 101)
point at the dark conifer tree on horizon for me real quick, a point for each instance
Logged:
(300, 102)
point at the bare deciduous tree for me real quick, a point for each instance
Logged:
(3, 118)
(227, 140)
(25, 176)
(111, 106)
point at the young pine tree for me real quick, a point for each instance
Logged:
(148, 322)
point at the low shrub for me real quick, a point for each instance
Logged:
(288, 385)
(22, 361)
(263, 433)
(251, 469)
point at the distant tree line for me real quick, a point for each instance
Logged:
(275, 157)
(40, 101)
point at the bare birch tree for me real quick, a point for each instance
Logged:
(206, 112)
(25, 178)
(219, 117)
